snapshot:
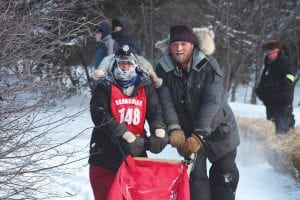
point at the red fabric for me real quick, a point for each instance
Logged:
(130, 110)
(151, 180)
(101, 180)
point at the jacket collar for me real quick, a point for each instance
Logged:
(199, 57)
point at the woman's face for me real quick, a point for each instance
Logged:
(272, 54)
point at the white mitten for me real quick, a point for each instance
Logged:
(129, 137)
(161, 133)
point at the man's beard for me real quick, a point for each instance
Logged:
(182, 58)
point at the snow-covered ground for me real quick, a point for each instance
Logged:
(258, 180)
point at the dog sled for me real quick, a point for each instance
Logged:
(151, 179)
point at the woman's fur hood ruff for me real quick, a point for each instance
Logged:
(205, 38)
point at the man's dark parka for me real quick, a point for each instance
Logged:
(198, 104)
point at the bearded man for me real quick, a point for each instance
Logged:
(198, 118)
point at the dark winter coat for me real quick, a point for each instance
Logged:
(122, 37)
(198, 104)
(274, 88)
(104, 150)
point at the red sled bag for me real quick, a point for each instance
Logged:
(150, 179)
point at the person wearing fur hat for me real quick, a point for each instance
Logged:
(276, 86)
(198, 118)
(119, 106)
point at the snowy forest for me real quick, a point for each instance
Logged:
(47, 51)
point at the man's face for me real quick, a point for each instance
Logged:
(182, 51)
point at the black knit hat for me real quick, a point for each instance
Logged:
(182, 33)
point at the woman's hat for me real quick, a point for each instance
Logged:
(272, 44)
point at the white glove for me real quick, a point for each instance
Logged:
(129, 137)
(161, 133)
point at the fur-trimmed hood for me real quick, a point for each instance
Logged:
(205, 38)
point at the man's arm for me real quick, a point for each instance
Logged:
(165, 97)
(211, 102)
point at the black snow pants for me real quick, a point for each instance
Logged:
(282, 116)
(222, 181)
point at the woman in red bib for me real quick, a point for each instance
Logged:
(121, 103)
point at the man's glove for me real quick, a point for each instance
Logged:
(191, 145)
(135, 143)
(177, 138)
(158, 141)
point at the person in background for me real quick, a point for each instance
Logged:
(119, 106)
(121, 36)
(198, 118)
(104, 45)
(104, 42)
(276, 86)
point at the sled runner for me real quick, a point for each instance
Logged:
(190, 163)
(151, 179)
